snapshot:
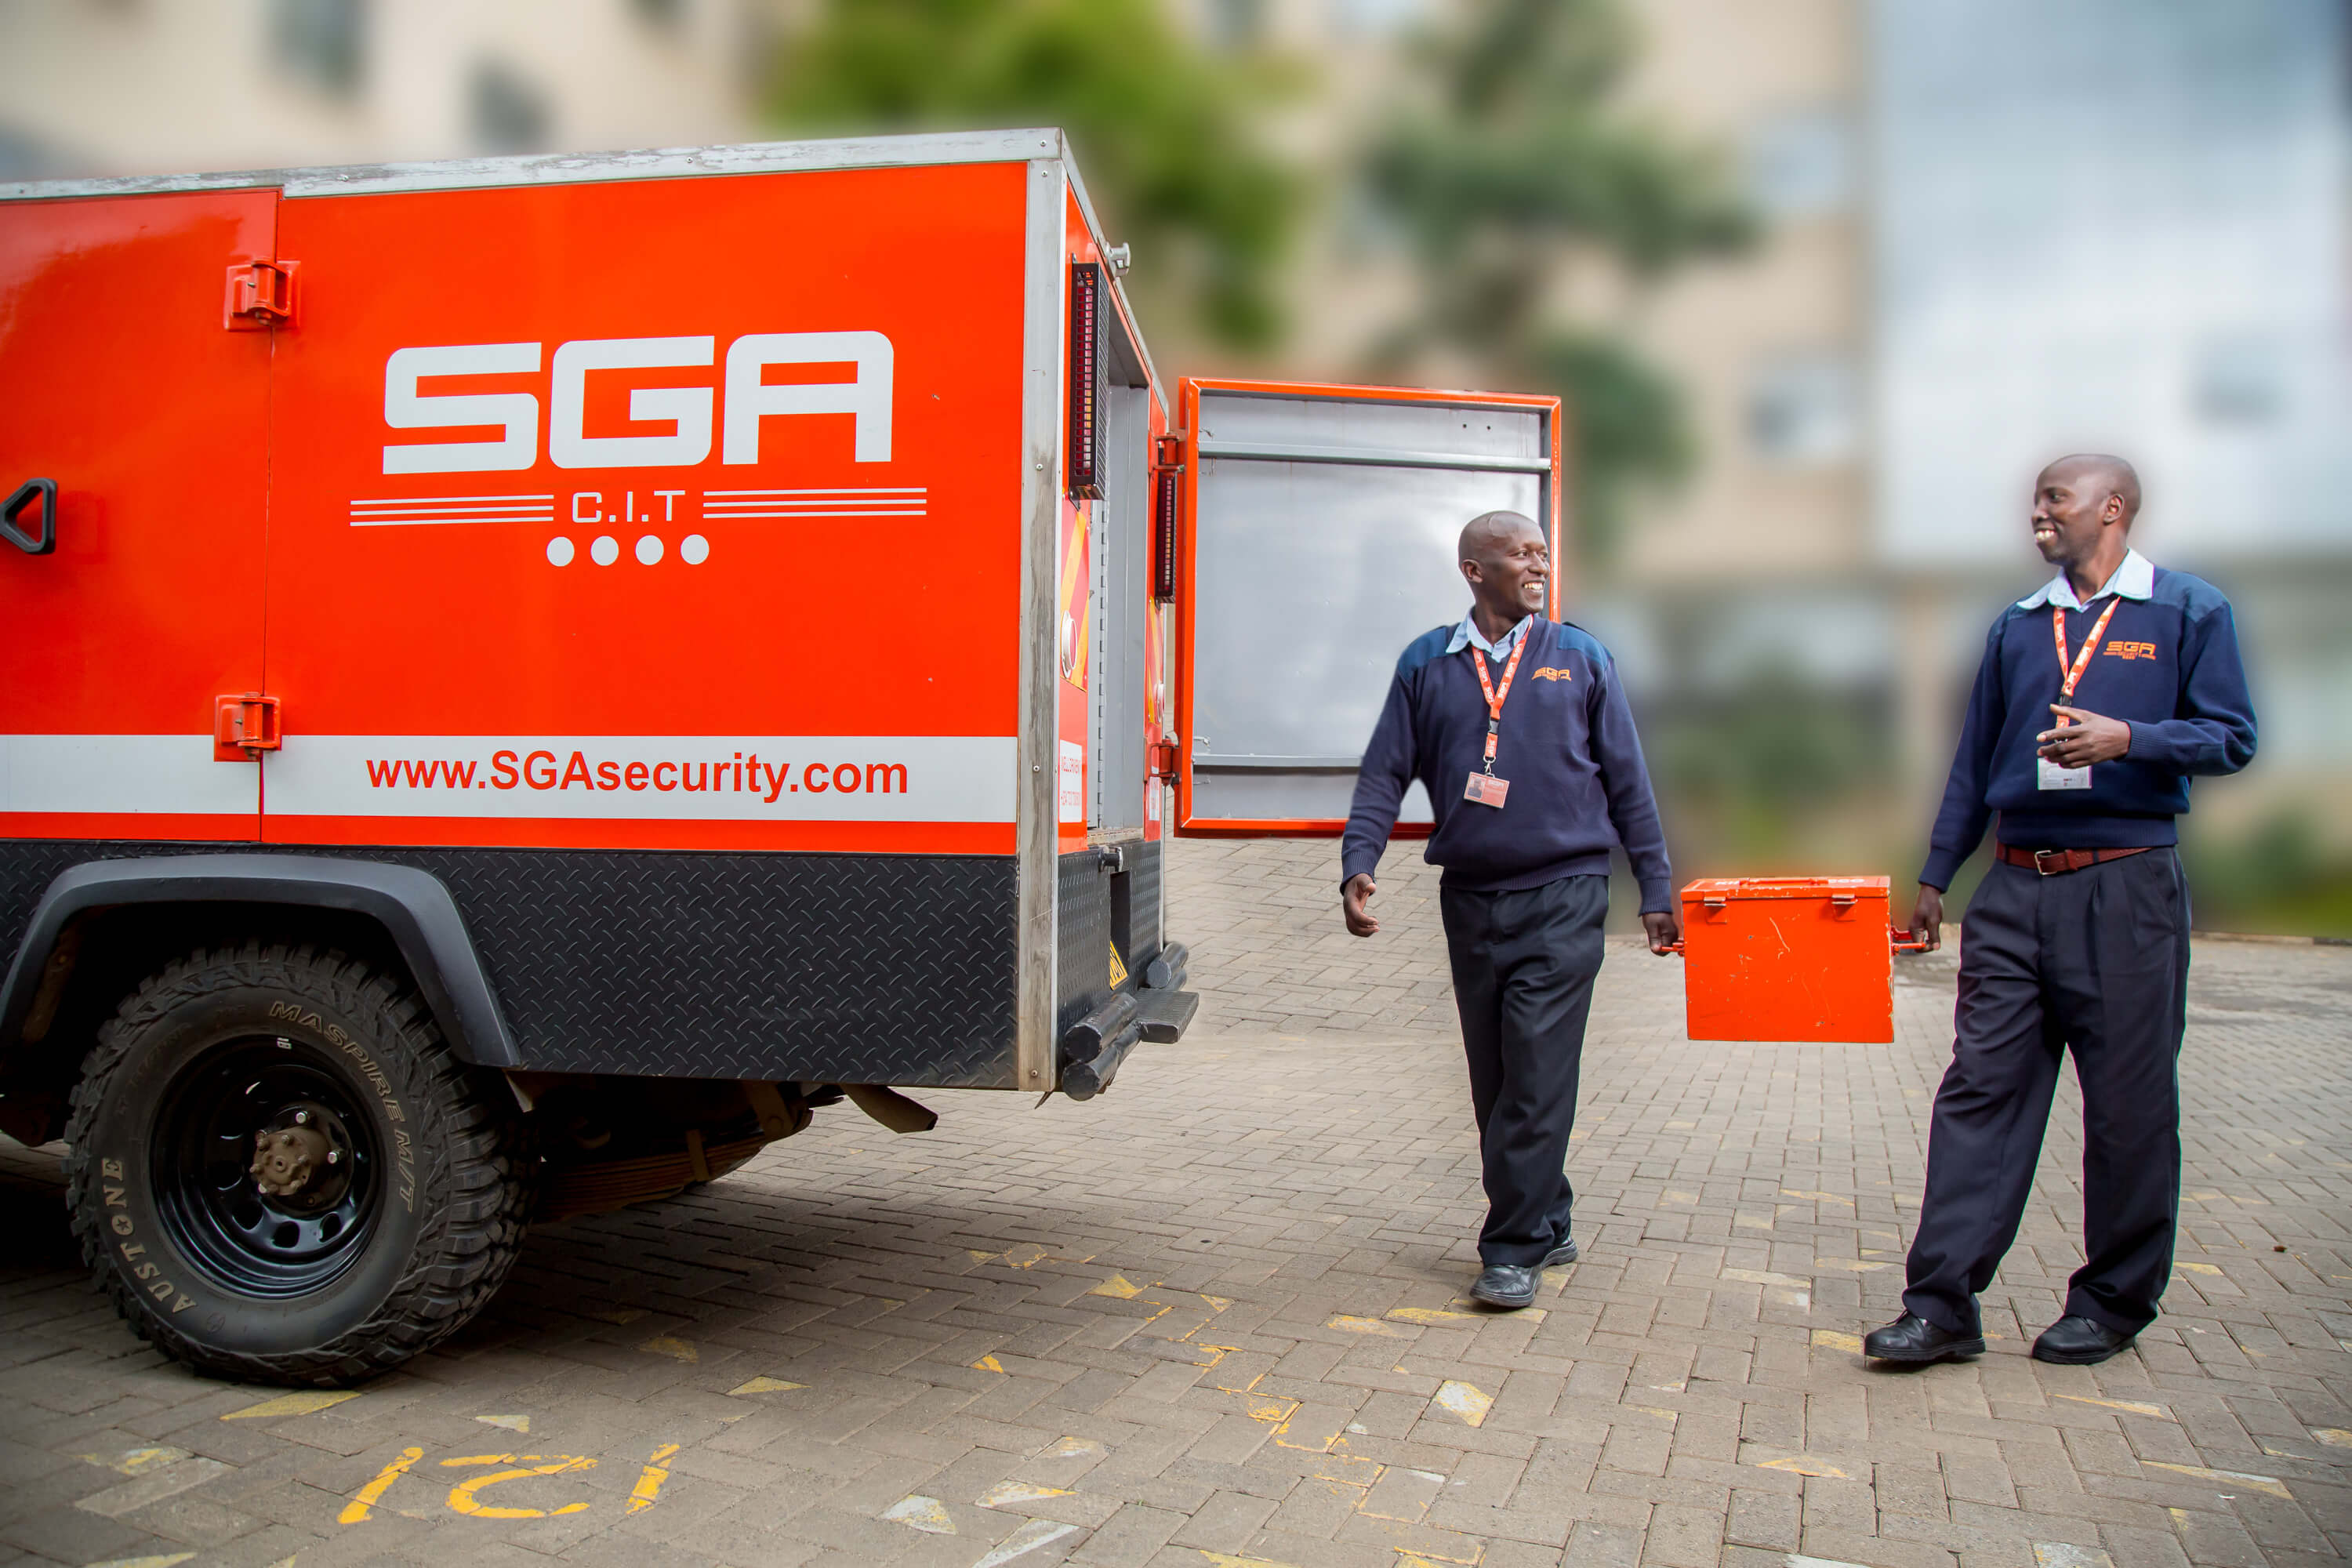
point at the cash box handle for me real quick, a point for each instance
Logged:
(16, 505)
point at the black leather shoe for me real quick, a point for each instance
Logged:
(1506, 1284)
(1560, 1257)
(1912, 1338)
(2080, 1341)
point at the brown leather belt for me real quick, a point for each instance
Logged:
(2051, 862)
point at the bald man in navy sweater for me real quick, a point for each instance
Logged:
(1518, 728)
(2101, 694)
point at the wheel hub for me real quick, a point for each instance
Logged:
(265, 1167)
(302, 1158)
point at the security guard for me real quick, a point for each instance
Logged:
(2078, 937)
(1535, 774)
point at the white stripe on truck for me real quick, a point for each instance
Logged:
(727, 778)
(138, 774)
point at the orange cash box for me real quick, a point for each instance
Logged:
(1791, 958)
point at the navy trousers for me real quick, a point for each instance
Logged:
(1524, 963)
(2092, 962)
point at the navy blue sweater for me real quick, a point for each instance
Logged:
(1578, 785)
(2168, 667)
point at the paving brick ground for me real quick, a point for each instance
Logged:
(1214, 1318)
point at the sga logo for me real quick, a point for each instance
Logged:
(689, 410)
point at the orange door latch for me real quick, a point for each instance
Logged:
(244, 727)
(260, 296)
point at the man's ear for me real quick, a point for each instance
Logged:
(1470, 573)
(2112, 510)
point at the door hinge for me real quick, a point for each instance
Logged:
(244, 727)
(260, 296)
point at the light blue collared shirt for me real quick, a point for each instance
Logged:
(1468, 635)
(2135, 578)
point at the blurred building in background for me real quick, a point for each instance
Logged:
(1982, 235)
(136, 86)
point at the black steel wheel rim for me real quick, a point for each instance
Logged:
(249, 1240)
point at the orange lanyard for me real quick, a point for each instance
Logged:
(1495, 697)
(2074, 674)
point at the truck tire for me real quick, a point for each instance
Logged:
(282, 1175)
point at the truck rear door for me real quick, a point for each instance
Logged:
(136, 607)
(1316, 538)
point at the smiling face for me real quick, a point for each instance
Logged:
(2076, 501)
(1508, 563)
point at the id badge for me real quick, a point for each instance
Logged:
(1487, 789)
(2048, 774)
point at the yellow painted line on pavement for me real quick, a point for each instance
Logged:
(1831, 1339)
(512, 1423)
(648, 1491)
(1368, 1326)
(166, 1561)
(364, 1501)
(2270, 1485)
(2334, 1436)
(1118, 1287)
(927, 1514)
(1806, 1464)
(1461, 1400)
(2134, 1406)
(2066, 1554)
(1006, 1492)
(990, 1363)
(2197, 1268)
(676, 1349)
(1037, 1533)
(137, 1461)
(291, 1404)
(764, 1384)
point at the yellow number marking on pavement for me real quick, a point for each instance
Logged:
(465, 1497)
(648, 1491)
(364, 1501)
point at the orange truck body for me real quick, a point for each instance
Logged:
(684, 557)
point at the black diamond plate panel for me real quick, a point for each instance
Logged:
(1082, 937)
(830, 968)
(1143, 863)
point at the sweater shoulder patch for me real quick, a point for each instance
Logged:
(1569, 639)
(1428, 645)
(2194, 597)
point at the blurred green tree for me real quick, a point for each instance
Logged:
(1520, 158)
(1163, 128)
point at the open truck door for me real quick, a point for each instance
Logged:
(1315, 537)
